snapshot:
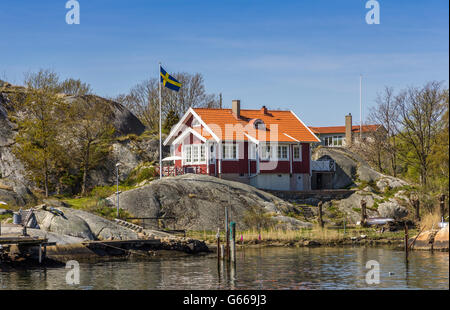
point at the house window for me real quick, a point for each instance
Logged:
(337, 140)
(282, 152)
(202, 153)
(266, 151)
(297, 153)
(187, 154)
(195, 153)
(328, 141)
(229, 151)
(195, 123)
(251, 151)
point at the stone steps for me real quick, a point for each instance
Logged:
(131, 226)
(149, 233)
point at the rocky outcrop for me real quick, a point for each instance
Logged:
(81, 224)
(129, 153)
(352, 171)
(352, 168)
(392, 209)
(197, 201)
(38, 233)
(431, 239)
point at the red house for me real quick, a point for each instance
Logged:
(266, 149)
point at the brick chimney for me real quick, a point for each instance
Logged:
(348, 130)
(263, 110)
(236, 108)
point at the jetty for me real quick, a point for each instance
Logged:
(15, 248)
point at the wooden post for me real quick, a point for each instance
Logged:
(363, 213)
(227, 233)
(320, 214)
(406, 241)
(233, 241)
(442, 207)
(218, 245)
(40, 253)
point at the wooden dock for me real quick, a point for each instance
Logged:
(24, 245)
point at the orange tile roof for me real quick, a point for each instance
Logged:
(279, 124)
(341, 129)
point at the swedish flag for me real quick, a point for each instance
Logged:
(169, 81)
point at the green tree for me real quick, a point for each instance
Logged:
(171, 119)
(89, 132)
(420, 120)
(39, 112)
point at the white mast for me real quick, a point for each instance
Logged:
(160, 112)
(360, 108)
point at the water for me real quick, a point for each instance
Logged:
(266, 268)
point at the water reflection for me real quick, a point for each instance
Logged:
(267, 268)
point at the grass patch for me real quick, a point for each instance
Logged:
(96, 206)
(316, 234)
(5, 216)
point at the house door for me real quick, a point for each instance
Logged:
(319, 181)
(299, 185)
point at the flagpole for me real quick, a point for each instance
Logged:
(360, 107)
(160, 112)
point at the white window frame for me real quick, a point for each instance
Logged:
(226, 151)
(186, 152)
(280, 150)
(266, 155)
(188, 149)
(336, 140)
(202, 155)
(251, 151)
(196, 157)
(299, 147)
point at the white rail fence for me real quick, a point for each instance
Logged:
(323, 165)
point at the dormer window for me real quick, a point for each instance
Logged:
(259, 124)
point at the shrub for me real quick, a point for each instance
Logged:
(257, 218)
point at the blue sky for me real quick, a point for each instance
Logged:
(301, 55)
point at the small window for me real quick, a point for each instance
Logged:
(229, 151)
(195, 153)
(202, 153)
(251, 151)
(266, 152)
(195, 123)
(282, 152)
(297, 153)
(187, 154)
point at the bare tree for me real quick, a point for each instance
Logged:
(421, 120)
(74, 87)
(143, 99)
(386, 113)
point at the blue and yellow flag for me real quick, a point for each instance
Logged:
(169, 81)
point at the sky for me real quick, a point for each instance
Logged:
(306, 56)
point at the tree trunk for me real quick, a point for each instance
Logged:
(46, 179)
(85, 172)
